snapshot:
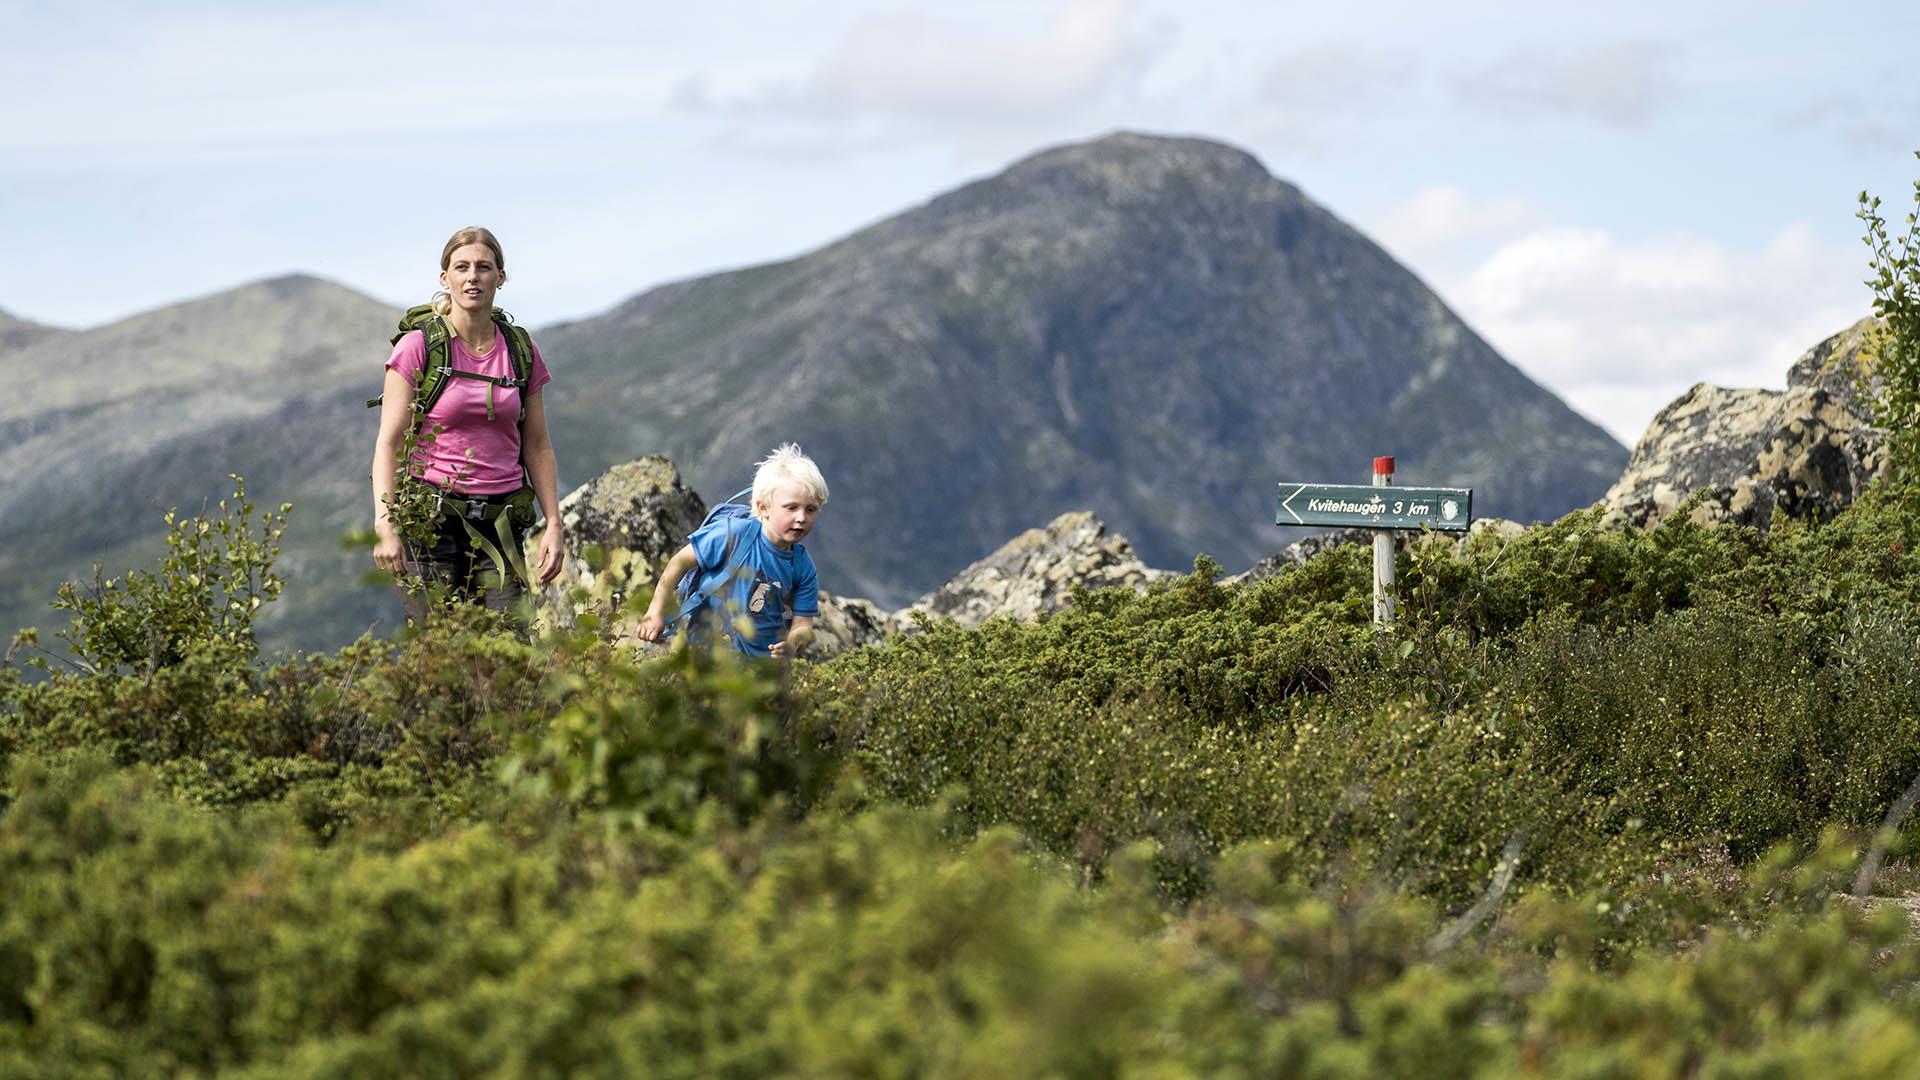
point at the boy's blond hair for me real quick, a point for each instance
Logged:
(784, 464)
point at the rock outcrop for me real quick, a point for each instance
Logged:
(622, 526)
(1804, 451)
(847, 623)
(1035, 573)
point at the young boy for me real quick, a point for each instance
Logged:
(772, 580)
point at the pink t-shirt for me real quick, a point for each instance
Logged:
(473, 455)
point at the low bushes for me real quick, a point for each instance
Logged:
(1585, 812)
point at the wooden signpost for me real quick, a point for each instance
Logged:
(1371, 507)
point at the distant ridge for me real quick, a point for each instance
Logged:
(1154, 329)
(268, 380)
(18, 333)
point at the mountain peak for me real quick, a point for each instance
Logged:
(1128, 171)
(1138, 160)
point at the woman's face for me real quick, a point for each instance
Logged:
(472, 276)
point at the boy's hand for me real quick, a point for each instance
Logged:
(796, 639)
(650, 627)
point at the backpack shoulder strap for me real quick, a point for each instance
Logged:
(519, 351)
(713, 579)
(422, 319)
(439, 364)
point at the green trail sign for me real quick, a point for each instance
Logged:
(1375, 507)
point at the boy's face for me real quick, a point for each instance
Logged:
(788, 513)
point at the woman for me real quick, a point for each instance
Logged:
(482, 441)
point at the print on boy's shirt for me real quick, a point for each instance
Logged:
(763, 589)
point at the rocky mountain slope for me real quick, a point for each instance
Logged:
(1152, 329)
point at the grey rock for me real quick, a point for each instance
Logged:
(622, 526)
(1036, 572)
(1299, 552)
(847, 623)
(1808, 450)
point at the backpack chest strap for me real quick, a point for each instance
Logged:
(504, 382)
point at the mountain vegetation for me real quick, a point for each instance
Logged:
(1608, 802)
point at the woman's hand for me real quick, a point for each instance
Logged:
(553, 551)
(389, 553)
(650, 628)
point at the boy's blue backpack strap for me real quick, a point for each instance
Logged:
(698, 588)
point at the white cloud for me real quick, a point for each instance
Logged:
(1621, 84)
(908, 74)
(1888, 121)
(1619, 329)
(1307, 92)
(1443, 230)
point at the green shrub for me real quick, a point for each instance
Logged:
(1895, 370)
(650, 745)
(214, 577)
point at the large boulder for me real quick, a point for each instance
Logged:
(622, 526)
(1036, 572)
(847, 623)
(1808, 450)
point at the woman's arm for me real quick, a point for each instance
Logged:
(536, 449)
(396, 413)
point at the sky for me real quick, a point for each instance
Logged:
(1624, 199)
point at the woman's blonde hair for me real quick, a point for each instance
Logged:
(472, 234)
(787, 463)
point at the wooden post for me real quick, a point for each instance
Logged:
(1383, 552)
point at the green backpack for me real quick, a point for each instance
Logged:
(439, 366)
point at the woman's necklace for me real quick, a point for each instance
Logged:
(470, 337)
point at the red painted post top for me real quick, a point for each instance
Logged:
(1383, 466)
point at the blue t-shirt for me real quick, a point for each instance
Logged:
(771, 586)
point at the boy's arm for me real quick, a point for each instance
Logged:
(683, 563)
(806, 597)
(797, 637)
